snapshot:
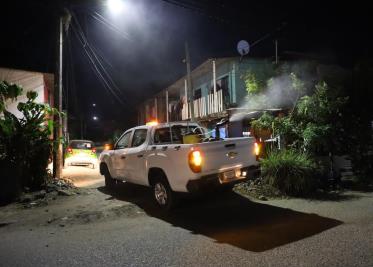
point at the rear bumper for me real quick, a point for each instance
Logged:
(211, 181)
(80, 161)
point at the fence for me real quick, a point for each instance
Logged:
(206, 105)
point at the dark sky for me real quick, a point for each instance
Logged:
(142, 49)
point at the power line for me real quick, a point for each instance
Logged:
(96, 69)
(111, 26)
(93, 56)
(96, 57)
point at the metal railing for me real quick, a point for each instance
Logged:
(204, 106)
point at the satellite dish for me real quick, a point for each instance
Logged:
(243, 47)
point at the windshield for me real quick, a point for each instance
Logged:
(81, 144)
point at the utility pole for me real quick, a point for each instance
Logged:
(214, 85)
(167, 119)
(156, 108)
(276, 44)
(57, 153)
(189, 82)
(64, 20)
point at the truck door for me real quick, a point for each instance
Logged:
(120, 161)
(136, 157)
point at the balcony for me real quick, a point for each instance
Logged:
(204, 106)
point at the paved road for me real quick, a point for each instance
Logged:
(84, 176)
(121, 228)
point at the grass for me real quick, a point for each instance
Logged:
(291, 172)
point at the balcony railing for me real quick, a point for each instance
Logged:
(204, 106)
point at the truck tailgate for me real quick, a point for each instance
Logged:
(228, 154)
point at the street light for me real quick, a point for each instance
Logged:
(95, 118)
(115, 6)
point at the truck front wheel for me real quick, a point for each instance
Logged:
(109, 181)
(163, 194)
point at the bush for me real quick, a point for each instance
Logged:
(25, 144)
(291, 172)
(262, 127)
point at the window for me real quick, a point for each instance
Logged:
(197, 93)
(123, 141)
(224, 84)
(221, 84)
(139, 137)
(76, 144)
(162, 136)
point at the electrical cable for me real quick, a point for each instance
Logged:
(98, 60)
(97, 71)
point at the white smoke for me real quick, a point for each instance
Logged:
(281, 92)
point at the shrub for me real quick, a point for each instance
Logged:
(262, 127)
(291, 172)
(25, 144)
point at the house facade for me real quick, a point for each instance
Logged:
(218, 87)
(42, 83)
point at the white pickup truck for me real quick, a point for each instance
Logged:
(159, 156)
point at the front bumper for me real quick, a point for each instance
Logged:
(214, 180)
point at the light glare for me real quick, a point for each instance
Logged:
(115, 6)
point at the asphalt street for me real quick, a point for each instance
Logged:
(123, 228)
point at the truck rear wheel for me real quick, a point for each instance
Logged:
(163, 194)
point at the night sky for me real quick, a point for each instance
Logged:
(143, 48)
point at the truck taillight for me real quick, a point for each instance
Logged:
(195, 160)
(257, 150)
(93, 150)
(69, 149)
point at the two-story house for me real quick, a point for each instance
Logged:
(217, 87)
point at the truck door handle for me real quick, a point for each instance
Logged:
(140, 156)
(177, 147)
(123, 157)
(164, 148)
(154, 147)
(230, 145)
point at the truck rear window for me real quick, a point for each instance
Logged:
(163, 136)
(81, 145)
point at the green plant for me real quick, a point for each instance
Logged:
(264, 122)
(8, 91)
(256, 77)
(262, 127)
(25, 145)
(253, 85)
(292, 172)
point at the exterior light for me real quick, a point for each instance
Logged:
(95, 118)
(115, 6)
(257, 150)
(195, 160)
(152, 123)
(108, 147)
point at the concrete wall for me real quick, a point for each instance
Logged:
(29, 81)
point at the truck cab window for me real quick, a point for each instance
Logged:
(162, 136)
(139, 137)
(124, 141)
